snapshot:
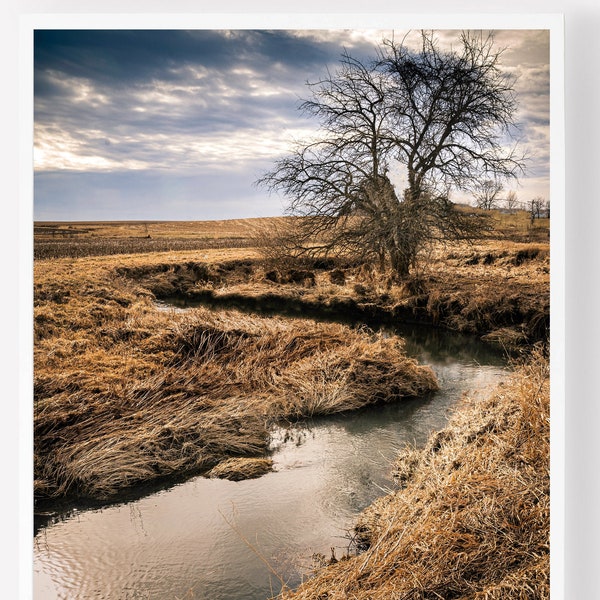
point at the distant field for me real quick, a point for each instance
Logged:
(516, 226)
(56, 239)
(97, 238)
(230, 228)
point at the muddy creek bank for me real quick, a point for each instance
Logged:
(488, 295)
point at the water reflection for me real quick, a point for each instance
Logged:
(215, 539)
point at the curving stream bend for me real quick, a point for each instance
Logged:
(222, 540)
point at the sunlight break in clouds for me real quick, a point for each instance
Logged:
(89, 151)
(194, 120)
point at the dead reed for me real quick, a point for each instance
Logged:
(126, 393)
(470, 519)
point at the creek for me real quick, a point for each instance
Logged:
(222, 540)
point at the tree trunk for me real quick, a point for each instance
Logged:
(400, 262)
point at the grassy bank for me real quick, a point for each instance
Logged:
(470, 519)
(126, 393)
(497, 290)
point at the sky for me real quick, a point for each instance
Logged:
(179, 124)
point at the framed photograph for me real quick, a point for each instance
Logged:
(291, 287)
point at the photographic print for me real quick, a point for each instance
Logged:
(292, 312)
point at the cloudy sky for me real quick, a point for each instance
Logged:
(157, 125)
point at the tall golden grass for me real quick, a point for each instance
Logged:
(470, 519)
(495, 289)
(126, 393)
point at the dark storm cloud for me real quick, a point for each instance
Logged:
(123, 59)
(129, 56)
(104, 95)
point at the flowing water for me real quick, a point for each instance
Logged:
(222, 540)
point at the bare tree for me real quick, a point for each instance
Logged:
(512, 201)
(536, 206)
(339, 182)
(546, 208)
(487, 193)
(442, 115)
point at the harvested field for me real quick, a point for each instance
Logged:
(471, 516)
(75, 240)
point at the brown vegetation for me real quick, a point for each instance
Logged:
(470, 519)
(126, 393)
(499, 290)
(237, 469)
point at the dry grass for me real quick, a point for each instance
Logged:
(126, 393)
(123, 393)
(491, 288)
(498, 289)
(471, 517)
(237, 469)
